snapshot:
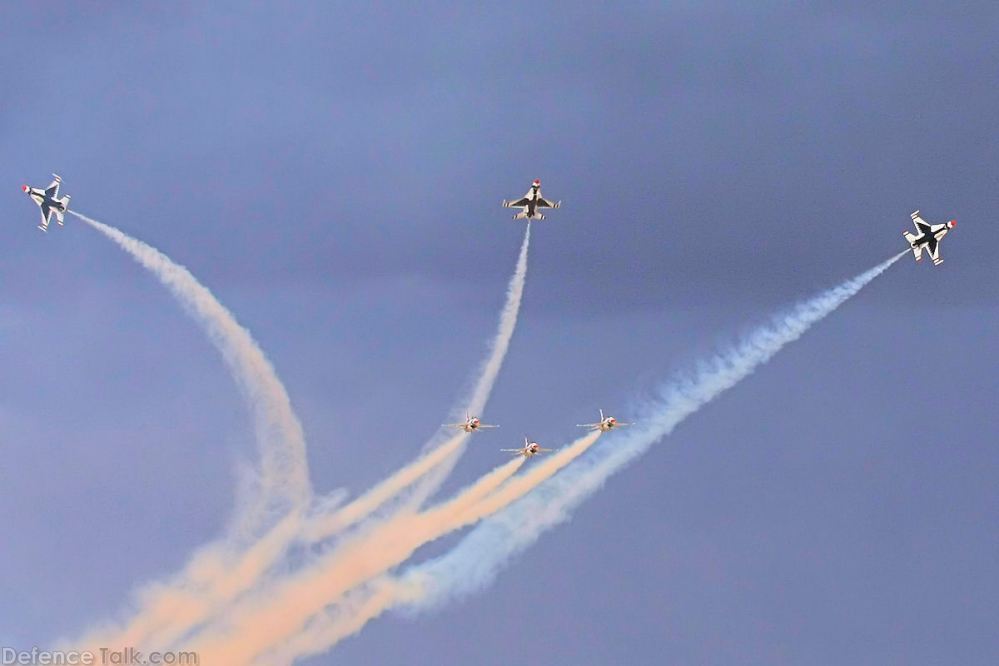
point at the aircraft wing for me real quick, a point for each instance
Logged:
(921, 225)
(516, 204)
(486, 425)
(591, 426)
(544, 203)
(52, 191)
(933, 249)
(46, 215)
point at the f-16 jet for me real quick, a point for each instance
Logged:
(928, 237)
(529, 450)
(48, 200)
(604, 424)
(531, 203)
(471, 424)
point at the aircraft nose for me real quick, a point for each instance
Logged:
(24, 188)
(952, 224)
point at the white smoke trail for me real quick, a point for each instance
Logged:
(440, 456)
(284, 475)
(477, 559)
(507, 324)
(474, 563)
(282, 483)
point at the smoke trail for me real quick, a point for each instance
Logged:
(174, 609)
(215, 576)
(440, 458)
(329, 627)
(276, 614)
(282, 484)
(477, 559)
(326, 524)
(296, 608)
(507, 323)
(474, 563)
(284, 477)
(353, 580)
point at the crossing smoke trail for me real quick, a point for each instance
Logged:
(282, 483)
(440, 457)
(219, 573)
(477, 559)
(432, 467)
(293, 607)
(474, 563)
(280, 611)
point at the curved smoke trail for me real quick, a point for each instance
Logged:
(441, 456)
(476, 560)
(220, 572)
(284, 473)
(282, 483)
(507, 324)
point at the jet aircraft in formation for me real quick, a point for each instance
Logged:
(470, 424)
(929, 237)
(529, 450)
(531, 203)
(605, 424)
(49, 202)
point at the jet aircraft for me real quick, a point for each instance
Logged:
(928, 237)
(604, 424)
(471, 424)
(529, 450)
(49, 202)
(531, 203)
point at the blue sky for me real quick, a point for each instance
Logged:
(333, 173)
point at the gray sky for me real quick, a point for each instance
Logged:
(334, 174)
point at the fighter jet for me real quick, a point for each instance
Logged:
(604, 424)
(531, 202)
(529, 450)
(48, 200)
(929, 237)
(471, 424)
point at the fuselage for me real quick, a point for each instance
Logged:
(936, 232)
(532, 200)
(42, 199)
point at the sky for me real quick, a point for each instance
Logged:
(333, 173)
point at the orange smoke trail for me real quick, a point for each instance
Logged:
(277, 616)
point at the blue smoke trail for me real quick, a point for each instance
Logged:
(475, 561)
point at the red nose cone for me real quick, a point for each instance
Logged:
(953, 223)
(24, 188)
(537, 181)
